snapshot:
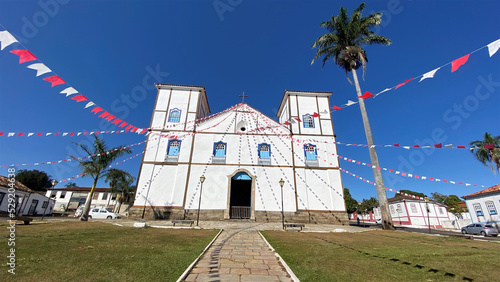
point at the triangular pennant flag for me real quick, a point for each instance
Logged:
(298, 119)
(429, 74)
(458, 62)
(89, 104)
(489, 146)
(116, 121)
(55, 80)
(6, 39)
(29, 134)
(286, 123)
(385, 90)
(10, 134)
(401, 84)
(24, 55)
(440, 145)
(123, 124)
(336, 108)
(69, 91)
(109, 118)
(40, 68)
(103, 115)
(366, 95)
(96, 110)
(349, 103)
(79, 98)
(315, 114)
(492, 47)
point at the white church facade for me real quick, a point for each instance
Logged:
(229, 165)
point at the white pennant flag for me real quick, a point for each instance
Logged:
(349, 103)
(40, 68)
(11, 134)
(69, 91)
(6, 39)
(385, 90)
(29, 134)
(89, 104)
(493, 47)
(429, 74)
(64, 134)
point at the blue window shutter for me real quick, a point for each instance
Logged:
(173, 151)
(264, 154)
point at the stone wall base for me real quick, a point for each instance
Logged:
(260, 216)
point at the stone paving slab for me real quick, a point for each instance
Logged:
(239, 255)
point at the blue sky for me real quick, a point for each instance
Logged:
(107, 49)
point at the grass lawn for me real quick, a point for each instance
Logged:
(386, 256)
(96, 251)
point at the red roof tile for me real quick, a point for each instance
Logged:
(492, 189)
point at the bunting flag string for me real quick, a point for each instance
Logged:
(6, 39)
(74, 159)
(455, 65)
(110, 166)
(68, 134)
(410, 175)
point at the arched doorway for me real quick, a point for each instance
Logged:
(240, 196)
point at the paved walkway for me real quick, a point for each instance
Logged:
(239, 255)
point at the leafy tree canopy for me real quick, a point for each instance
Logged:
(487, 151)
(351, 204)
(70, 184)
(367, 205)
(34, 179)
(451, 202)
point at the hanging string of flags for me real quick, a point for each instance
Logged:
(50, 76)
(75, 159)
(410, 175)
(455, 64)
(388, 189)
(110, 166)
(64, 134)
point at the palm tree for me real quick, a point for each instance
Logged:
(120, 182)
(96, 166)
(343, 44)
(489, 154)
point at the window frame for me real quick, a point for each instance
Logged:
(215, 149)
(413, 208)
(2, 196)
(170, 145)
(478, 209)
(490, 206)
(171, 118)
(315, 152)
(259, 150)
(45, 204)
(63, 195)
(304, 123)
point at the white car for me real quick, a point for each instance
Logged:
(103, 213)
(379, 221)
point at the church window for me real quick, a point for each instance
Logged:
(398, 208)
(219, 153)
(264, 154)
(104, 196)
(175, 115)
(392, 209)
(478, 209)
(308, 121)
(413, 208)
(491, 208)
(310, 151)
(173, 149)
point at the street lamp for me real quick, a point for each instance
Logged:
(202, 179)
(428, 220)
(282, 182)
(54, 183)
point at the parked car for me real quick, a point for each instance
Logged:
(79, 210)
(480, 229)
(379, 221)
(103, 213)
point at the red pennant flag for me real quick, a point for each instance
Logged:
(440, 145)
(461, 147)
(128, 127)
(123, 124)
(109, 118)
(416, 146)
(286, 123)
(79, 98)
(336, 108)
(315, 114)
(57, 133)
(38, 134)
(24, 55)
(366, 95)
(55, 80)
(144, 131)
(458, 62)
(116, 121)
(96, 110)
(396, 145)
(489, 146)
(96, 133)
(134, 129)
(71, 134)
(401, 84)
(20, 134)
(1, 133)
(298, 119)
(103, 115)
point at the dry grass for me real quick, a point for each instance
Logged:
(96, 251)
(386, 256)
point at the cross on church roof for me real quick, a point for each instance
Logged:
(243, 101)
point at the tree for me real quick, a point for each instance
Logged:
(34, 179)
(487, 151)
(410, 192)
(367, 205)
(438, 198)
(70, 184)
(351, 205)
(97, 165)
(343, 44)
(120, 183)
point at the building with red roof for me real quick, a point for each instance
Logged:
(484, 205)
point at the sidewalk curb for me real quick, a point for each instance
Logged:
(190, 267)
(287, 268)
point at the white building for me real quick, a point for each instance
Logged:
(483, 205)
(243, 154)
(409, 211)
(29, 202)
(71, 198)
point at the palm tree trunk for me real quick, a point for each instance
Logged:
(382, 197)
(86, 209)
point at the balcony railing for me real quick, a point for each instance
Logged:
(240, 212)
